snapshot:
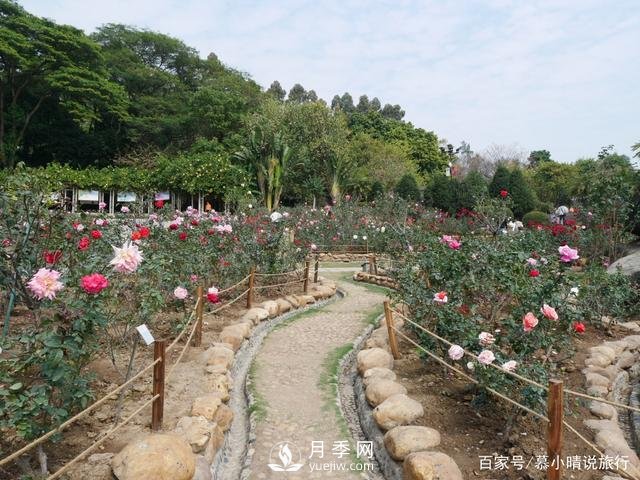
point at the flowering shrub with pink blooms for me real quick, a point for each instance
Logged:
(81, 284)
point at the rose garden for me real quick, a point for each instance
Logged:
(204, 279)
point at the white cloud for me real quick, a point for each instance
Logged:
(555, 74)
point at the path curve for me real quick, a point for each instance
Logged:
(292, 380)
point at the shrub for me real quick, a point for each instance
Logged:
(500, 181)
(523, 198)
(407, 188)
(536, 217)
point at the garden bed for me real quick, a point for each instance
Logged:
(185, 385)
(470, 431)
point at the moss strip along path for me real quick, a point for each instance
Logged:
(293, 370)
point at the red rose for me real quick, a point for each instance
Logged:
(94, 283)
(136, 235)
(173, 226)
(158, 203)
(96, 234)
(534, 273)
(182, 236)
(504, 193)
(213, 297)
(145, 232)
(211, 231)
(84, 243)
(194, 222)
(579, 327)
(52, 257)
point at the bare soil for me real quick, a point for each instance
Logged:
(470, 430)
(185, 384)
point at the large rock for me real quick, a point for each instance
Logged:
(431, 466)
(629, 265)
(397, 410)
(304, 300)
(255, 315)
(222, 356)
(379, 390)
(293, 300)
(219, 386)
(196, 431)
(373, 357)
(157, 456)
(223, 417)
(402, 441)
(379, 339)
(377, 373)
(203, 469)
(271, 307)
(283, 306)
(232, 336)
(206, 406)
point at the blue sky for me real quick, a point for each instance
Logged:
(557, 74)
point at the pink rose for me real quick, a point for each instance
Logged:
(456, 352)
(510, 366)
(529, 322)
(180, 293)
(568, 254)
(486, 339)
(486, 357)
(549, 312)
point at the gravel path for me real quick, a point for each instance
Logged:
(292, 380)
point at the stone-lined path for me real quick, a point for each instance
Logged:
(290, 382)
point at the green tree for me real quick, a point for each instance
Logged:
(500, 181)
(297, 94)
(636, 149)
(268, 157)
(276, 91)
(40, 62)
(537, 157)
(523, 198)
(441, 193)
(393, 112)
(407, 188)
(554, 182)
(473, 188)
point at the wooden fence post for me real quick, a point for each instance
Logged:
(375, 264)
(197, 337)
(393, 341)
(157, 407)
(554, 446)
(252, 278)
(306, 275)
(316, 268)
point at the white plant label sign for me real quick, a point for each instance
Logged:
(144, 332)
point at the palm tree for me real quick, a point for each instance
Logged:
(636, 148)
(269, 158)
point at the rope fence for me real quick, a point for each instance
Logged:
(194, 330)
(555, 392)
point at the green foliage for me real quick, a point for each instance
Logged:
(57, 65)
(554, 182)
(536, 217)
(519, 191)
(500, 181)
(269, 159)
(538, 157)
(407, 188)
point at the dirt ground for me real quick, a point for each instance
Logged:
(470, 432)
(181, 389)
